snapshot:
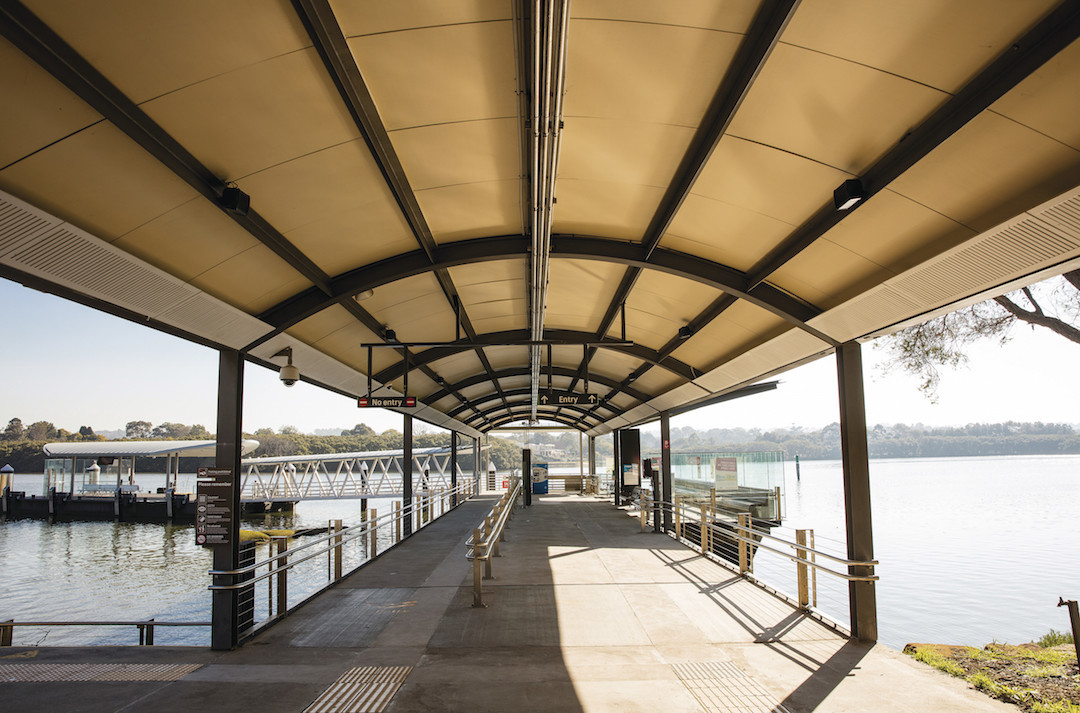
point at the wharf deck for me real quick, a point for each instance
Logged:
(585, 614)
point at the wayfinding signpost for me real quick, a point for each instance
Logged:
(566, 398)
(214, 506)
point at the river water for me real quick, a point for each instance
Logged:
(972, 550)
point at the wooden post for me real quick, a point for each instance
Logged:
(704, 528)
(7, 630)
(743, 530)
(644, 513)
(801, 570)
(373, 518)
(282, 575)
(397, 521)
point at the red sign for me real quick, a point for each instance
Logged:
(386, 402)
(506, 483)
(667, 445)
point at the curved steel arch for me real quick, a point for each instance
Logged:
(607, 381)
(516, 336)
(523, 412)
(476, 404)
(586, 413)
(381, 273)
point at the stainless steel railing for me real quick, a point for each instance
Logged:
(275, 569)
(747, 541)
(484, 543)
(146, 627)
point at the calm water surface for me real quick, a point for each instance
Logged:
(972, 550)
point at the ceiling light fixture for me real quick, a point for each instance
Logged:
(685, 332)
(365, 295)
(389, 335)
(848, 194)
(235, 201)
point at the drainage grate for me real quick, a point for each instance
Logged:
(366, 689)
(66, 672)
(724, 688)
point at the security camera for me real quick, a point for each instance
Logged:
(289, 375)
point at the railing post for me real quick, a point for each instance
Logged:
(801, 570)
(282, 574)
(149, 632)
(397, 521)
(487, 551)
(478, 600)
(644, 512)
(335, 526)
(704, 528)
(813, 570)
(743, 531)
(678, 517)
(7, 631)
(373, 519)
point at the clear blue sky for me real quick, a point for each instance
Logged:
(76, 366)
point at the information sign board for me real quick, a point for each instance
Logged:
(214, 506)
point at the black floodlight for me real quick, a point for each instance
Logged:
(235, 201)
(685, 332)
(848, 194)
(389, 335)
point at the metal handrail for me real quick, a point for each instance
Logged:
(737, 529)
(146, 627)
(484, 541)
(347, 535)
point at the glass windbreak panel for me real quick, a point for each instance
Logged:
(738, 482)
(57, 474)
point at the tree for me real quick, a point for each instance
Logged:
(920, 350)
(176, 431)
(41, 431)
(289, 431)
(87, 432)
(199, 432)
(137, 429)
(360, 429)
(14, 430)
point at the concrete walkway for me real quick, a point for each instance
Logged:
(585, 614)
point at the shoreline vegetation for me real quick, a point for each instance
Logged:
(1040, 677)
(22, 447)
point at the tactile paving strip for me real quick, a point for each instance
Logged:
(722, 687)
(66, 672)
(366, 689)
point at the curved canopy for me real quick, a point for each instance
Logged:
(481, 203)
(150, 449)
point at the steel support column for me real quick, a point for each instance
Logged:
(526, 475)
(476, 466)
(453, 468)
(406, 476)
(224, 612)
(665, 468)
(616, 477)
(861, 595)
(592, 456)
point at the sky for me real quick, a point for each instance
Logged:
(75, 366)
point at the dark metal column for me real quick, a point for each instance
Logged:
(616, 478)
(406, 477)
(526, 475)
(592, 456)
(665, 467)
(224, 610)
(861, 595)
(476, 466)
(453, 468)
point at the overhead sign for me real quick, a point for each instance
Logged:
(566, 398)
(214, 506)
(386, 402)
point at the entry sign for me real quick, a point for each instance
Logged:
(566, 398)
(386, 402)
(214, 506)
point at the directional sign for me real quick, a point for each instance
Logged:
(386, 402)
(566, 398)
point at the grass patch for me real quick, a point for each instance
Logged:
(1054, 638)
(933, 658)
(1054, 707)
(1044, 671)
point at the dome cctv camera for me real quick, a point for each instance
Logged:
(289, 375)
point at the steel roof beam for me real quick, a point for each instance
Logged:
(523, 412)
(501, 338)
(525, 371)
(513, 396)
(570, 424)
(330, 42)
(24, 30)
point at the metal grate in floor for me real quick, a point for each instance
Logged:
(66, 672)
(366, 689)
(722, 687)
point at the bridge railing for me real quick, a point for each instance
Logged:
(291, 575)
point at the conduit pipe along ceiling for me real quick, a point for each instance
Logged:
(402, 163)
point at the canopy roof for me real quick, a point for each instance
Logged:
(638, 195)
(152, 449)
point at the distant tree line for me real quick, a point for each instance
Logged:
(896, 441)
